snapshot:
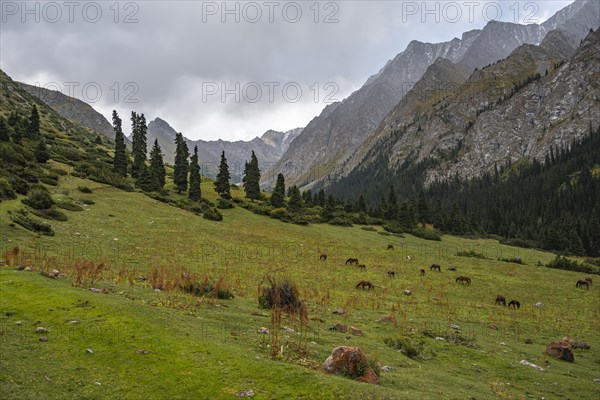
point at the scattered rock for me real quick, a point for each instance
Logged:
(339, 312)
(27, 269)
(561, 349)
(597, 380)
(356, 331)
(77, 234)
(245, 393)
(539, 304)
(528, 341)
(263, 331)
(20, 268)
(89, 351)
(386, 368)
(349, 361)
(97, 384)
(43, 339)
(47, 274)
(407, 292)
(502, 344)
(18, 323)
(532, 365)
(339, 328)
(55, 272)
(95, 290)
(73, 322)
(41, 329)
(288, 329)
(142, 351)
(441, 339)
(453, 326)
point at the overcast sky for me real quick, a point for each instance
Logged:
(227, 70)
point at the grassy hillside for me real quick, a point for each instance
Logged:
(208, 348)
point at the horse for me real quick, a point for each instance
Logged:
(451, 269)
(391, 274)
(390, 247)
(365, 284)
(588, 280)
(422, 271)
(464, 280)
(501, 300)
(362, 266)
(323, 257)
(514, 304)
(351, 261)
(435, 267)
(581, 283)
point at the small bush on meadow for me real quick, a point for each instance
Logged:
(28, 222)
(6, 190)
(283, 294)
(212, 214)
(84, 189)
(38, 198)
(68, 205)
(224, 204)
(471, 253)
(51, 213)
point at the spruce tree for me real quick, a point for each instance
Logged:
(307, 198)
(120, 159)
(278, 197)
(34, 123)
(157, 166)
(595, 238)
(194, 192)
(391, 213)
(295, 203)
(361, 206)
(16, 123)
(251, 178)
(181, 167)
(423, 209)
(4, 136)
(222, 182)
(139, 141)
(321, 198)
(145, 180)
(41, 152)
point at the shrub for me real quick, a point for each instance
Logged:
(279, 212)
(68, 205)
(340, 221)
(6, 190)
(51, 213)
(87, 201)
(427, 234)
(49, 179)
(471, 253)
(212, 214)
(515, 260)
(208, 289)
(28, 222)
(283, 294)
(19, 185)
(369, 228)
(39, 199)
(410, 346)
(84, 189)
(224, 204)
(571, 265)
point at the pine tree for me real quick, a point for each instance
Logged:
(34, 123)
(321, 198)
(361, 206)
(145, 180)
(4, 136)
(139, 141)
(295, 203)
(251, 178)
(98, 140)
(595, 238)
(575, 243)
(391, 214)
(120, 159)
(195, 193)
(307, 198)
(41, 152)
(222, 182)
(181, 167)
(157, 166)
(278, 197)
(16, 123)
(423, 209)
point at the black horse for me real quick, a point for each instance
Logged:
(435, 267)
(323, 257)
(581, 283)
(351, 261)
(365, 284)
(501, 300)
(392, 274)
(514, 304)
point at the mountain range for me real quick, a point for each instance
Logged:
(323, 152)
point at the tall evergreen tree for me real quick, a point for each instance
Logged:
(120, 159)
(181, 167)
(145, 180)
(307, 198)
(4, 136)
(278, 197)
(391, 213)
(41, 152)
(321, 198)
(595, 238)
(223, 177)
(361, 206)
(423, 208)
(195, 192)
(295, 203)
(34, 123)
(157, 165)
(16, 123)
(139, 141)
(251, 179)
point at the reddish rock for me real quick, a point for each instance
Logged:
(561, 349)
(339, 328)
(356, 331)
(350, 361)
(370, 377)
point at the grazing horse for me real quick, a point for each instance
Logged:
(451, 269)
(501, 300)
(365, 284)
(435, 267)
(390, 247)
(581, 283)
(422, 271)
(392, 274)
(588, 280)
(323, 257)
(514, 304)
(362, 266)
(351, 261)
(464, 280)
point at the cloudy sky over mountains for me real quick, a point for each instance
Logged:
(227, 70)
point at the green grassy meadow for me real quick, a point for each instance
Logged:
(211, 349)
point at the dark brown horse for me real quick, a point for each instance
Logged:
(501, 300)
(390, 247)
(581, 283)
(392, 274)
(362, 266)
(465, 280)
(351, 261)
(435, 267)
(323, 257)
(514, 304)
(365, 284)
(422, 271)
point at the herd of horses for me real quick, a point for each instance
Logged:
(465, 280)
